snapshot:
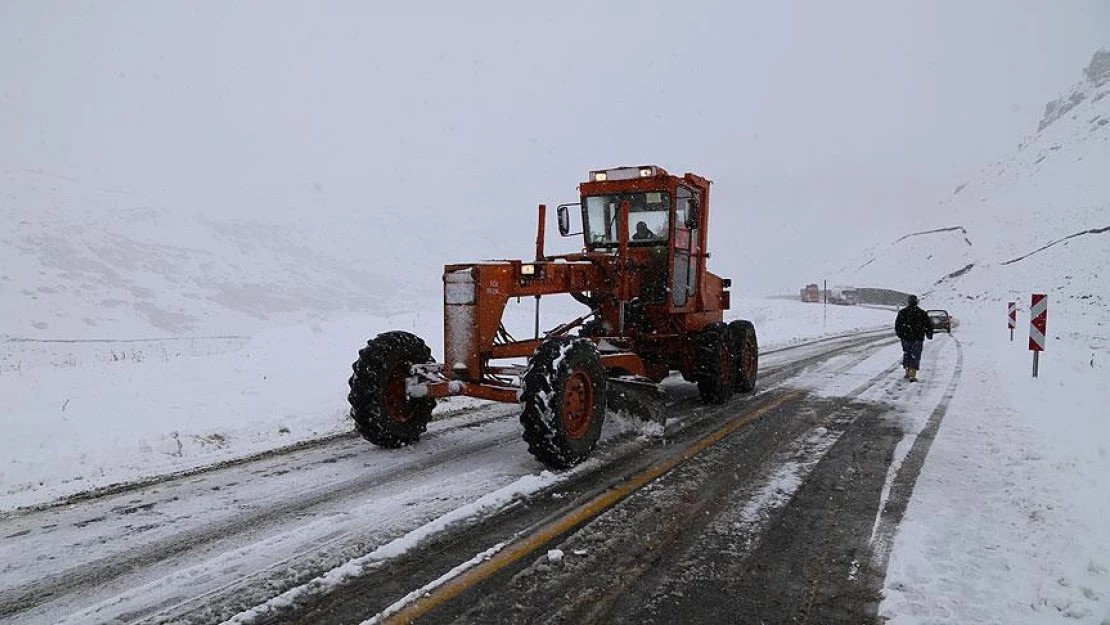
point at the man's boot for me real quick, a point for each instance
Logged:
(913, 375)
(906, 376)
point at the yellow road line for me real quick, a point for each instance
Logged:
(531, 543)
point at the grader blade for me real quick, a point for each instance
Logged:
(638, 399)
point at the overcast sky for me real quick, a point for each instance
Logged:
(825, 126)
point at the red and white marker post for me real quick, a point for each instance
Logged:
(1038, 325)
(1011, 311)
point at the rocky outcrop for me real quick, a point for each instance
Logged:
(1097, 73)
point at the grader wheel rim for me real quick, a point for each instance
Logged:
(396, 394)
(578, 404)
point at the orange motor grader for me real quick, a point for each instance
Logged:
(653, 309)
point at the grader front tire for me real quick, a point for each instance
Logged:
(563, 394)
(382, 411)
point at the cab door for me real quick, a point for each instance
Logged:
(684, 277)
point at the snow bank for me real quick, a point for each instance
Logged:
(1009, 516)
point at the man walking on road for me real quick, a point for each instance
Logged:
(912, 326)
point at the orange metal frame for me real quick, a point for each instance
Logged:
(475, 297)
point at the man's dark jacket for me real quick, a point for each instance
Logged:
(913, 324)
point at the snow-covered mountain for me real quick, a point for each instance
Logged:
(913, 261)
(1038, 221)
(82, 261)
(1055, 184)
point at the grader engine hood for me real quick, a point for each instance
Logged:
(460, 321)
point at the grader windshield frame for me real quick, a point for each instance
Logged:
(649, 219)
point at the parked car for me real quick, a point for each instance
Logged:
(941, 320)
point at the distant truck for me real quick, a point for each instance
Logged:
(840, 295)
(811, 293)
(843, 296)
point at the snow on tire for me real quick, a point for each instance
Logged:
(563, 394)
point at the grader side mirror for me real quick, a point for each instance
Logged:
(564, 220)
(693, 214)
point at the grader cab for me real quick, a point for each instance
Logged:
(652, 308)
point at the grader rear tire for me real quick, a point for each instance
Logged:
(714, 363)
(563, 392)
(745, 349)
(380, 406)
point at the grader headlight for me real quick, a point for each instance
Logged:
(626, 173)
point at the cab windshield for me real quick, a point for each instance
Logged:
(648, 218)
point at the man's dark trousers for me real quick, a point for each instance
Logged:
(911, 353)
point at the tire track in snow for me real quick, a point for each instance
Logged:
(901, 487)
(315, 443)
(97, 572)
(529, 542)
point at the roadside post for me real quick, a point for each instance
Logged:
(825, 304)
(1012, 313)
(1038, 325)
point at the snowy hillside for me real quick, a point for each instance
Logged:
(1054, 186)
(927, 254)
(1038, 221)
(78, 261)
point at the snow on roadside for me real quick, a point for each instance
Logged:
(1009, 518)
(81, 417)
(87, 423)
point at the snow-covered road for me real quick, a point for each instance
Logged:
(1013, 484)
(205, 546)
